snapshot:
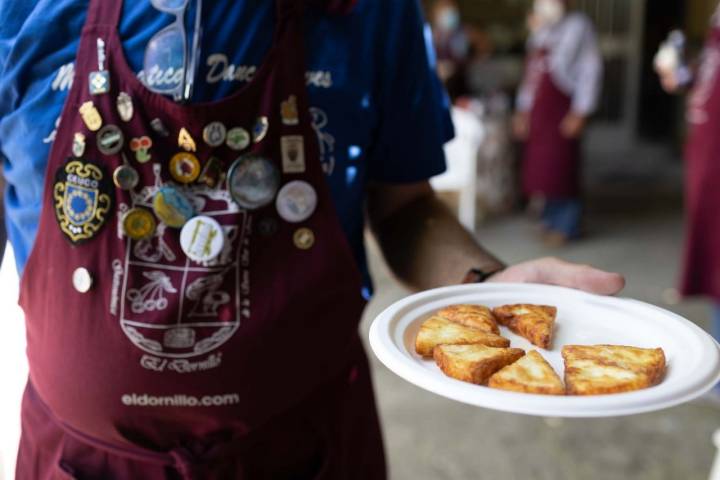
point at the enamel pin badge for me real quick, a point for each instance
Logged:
(125, 107)
(289, 111)
(83, 197)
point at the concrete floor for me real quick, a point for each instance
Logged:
(631, 229)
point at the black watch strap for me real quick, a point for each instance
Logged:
(476, 275)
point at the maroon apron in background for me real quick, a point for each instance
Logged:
(279, 368)
(701, 275)
(551, 162)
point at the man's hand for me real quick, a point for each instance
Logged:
(573, 125)
(521, 125)
(668, 80)
(553, 271)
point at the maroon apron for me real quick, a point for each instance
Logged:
(248, 366)
(551, 163)
(702, 197)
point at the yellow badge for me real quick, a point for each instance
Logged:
(185, 141)
(289, 111)
(139, 224)
(304, 238)
(91, 116)
(184, 167)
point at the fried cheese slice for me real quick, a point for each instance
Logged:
(474, 363)
(604, 369)
(475, 316)
(441, 331)
(531, 374)
(534, 322)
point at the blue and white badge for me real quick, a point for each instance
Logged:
(296, 201)
(83, 196)
(172, 207)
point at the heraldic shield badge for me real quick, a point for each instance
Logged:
(83, 197)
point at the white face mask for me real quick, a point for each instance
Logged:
(548, 12)
(448, 20)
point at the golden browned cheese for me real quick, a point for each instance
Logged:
(440, 331)
(475, 316)
(604, 369)
(531, 374)
(474, 363)
(534, 322)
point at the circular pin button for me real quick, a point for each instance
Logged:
(82, 280)
(238, 138)
(202, 239)
(296, 201)
(304, 238)
(172, 207)
(138, 224)
(110, 140)
(184, 167)
(126, 177)
(214, 134)
(253, 181)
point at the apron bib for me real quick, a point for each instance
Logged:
(191, 300)
(701, 274)
(551, 163)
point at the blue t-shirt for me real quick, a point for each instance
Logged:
(379, 110)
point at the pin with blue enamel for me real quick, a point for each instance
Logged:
(83, 199)
(110, 140)
(260, 130)
(202, 239)
(296, 201)
(125, 107)
(292, 148)
(253, 181)
(78, 146)
(99, 81)
(172, 207)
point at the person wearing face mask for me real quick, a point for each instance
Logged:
(559, 92)
(452, 46)
(701, 271)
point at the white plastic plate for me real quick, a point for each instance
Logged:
(693, 357)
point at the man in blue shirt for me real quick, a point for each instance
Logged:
(379, 113)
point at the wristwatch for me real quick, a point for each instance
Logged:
(477, 275)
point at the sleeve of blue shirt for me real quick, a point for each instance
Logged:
(414, 108)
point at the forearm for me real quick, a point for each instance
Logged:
(426, 247)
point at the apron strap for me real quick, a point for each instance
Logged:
(104, 12)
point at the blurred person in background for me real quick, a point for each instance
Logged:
(560, 90)
(452, 46)
(701, 272)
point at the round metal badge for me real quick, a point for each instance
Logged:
(172, 207)
(184, 167)
(82, 280)
(214, 134)
(110, 140)
(296, 201)
(304, 238)
(139, 224)
(253, 181)
(202, 239)
(126, 177)
(238, 139)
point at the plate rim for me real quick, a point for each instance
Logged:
(629, 403)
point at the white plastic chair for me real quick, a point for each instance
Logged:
(462, 156)
(715, 472)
